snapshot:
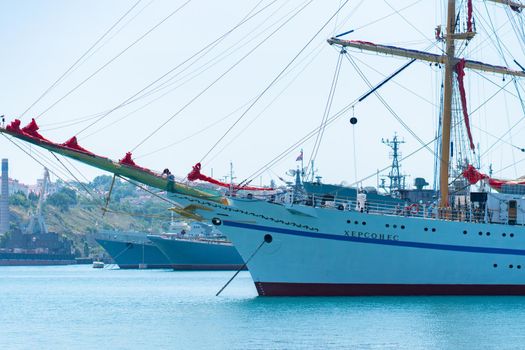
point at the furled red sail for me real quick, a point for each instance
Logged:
(131, 171)
(127, 160)
(460, 70)
(14, 126)
(72, 143)
(30, 130)
(473, 176)
(195, 174)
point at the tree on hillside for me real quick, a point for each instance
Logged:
(102, 182)
(19, 199)
(32, 197)
(63, 199)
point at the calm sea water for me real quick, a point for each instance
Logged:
(77, 307)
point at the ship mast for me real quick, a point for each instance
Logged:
(447, 103)
(449, 60)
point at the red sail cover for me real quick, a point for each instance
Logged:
(31, 129)
(14, 126)
(195, 174)
(72, 143)
(460, 70)
(473, 176)
(129, 162)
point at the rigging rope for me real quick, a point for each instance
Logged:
(327, 109)
(500, 48)
(432, 42)
(218, 58)
(274, 80)
(219, 78)
(73, 175)
(193, 74)
(50, 169)
(389, 15)
(302, 140)
(115, 57)
(206, 48)
(86, 189)
(79, 59)
(387, 106)
(279, 94)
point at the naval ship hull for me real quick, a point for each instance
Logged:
(194, 254)
(132, 250)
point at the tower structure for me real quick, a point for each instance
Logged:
(4, 199)
(37, 223)
(397, 181)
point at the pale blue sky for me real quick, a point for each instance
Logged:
(41, 39)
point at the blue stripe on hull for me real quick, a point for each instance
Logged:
(449, 247)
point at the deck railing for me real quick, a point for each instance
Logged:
(462, 213)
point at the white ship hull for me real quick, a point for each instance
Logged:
(319, 251)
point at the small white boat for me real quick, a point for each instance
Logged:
(98, 265)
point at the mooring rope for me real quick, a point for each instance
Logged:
(267, 239)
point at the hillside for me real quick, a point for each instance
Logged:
(75, 213)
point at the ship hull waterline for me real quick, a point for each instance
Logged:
(319, 251)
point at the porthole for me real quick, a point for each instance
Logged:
(488, 233)
(402, 227)
(364, 223)
(348, 221)
(480, 233)
(395, 226)
(495, 265)
(387, 225)
(512, 235)
(519, 266)
(511, 266)
(465, 232)
(356, 222)
(426, 228)
(433, 230)
(504, 234)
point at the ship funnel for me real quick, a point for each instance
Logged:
(420, 182)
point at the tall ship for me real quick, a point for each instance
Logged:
(469, 241)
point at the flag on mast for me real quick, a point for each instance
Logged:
(300, 156)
